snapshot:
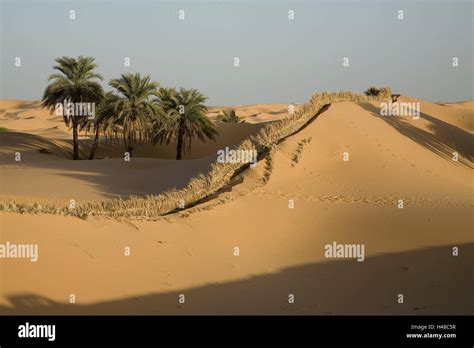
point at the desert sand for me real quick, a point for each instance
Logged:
(408, 251)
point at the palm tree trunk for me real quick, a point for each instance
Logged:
(129, 145)
(95, 144)
(179, 146)
(75, 142)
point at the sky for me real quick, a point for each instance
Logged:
(281, 60)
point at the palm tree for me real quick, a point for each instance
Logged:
(186, 118)
(134, 111)
(76, 82)
(229, 116)
(102, 121)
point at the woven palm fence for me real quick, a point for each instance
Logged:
(202, 186)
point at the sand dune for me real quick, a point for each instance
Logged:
(28, 116)
(408, 250)
(457, 114)
(467, 104)
(257, 113)
(47, 173)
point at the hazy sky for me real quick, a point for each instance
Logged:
(281, 60)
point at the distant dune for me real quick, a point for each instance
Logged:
(408, 251)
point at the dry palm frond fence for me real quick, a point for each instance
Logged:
(202, 186)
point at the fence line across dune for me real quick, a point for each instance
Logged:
(202, 186)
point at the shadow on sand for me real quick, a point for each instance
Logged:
(432, 280)
(443, 139)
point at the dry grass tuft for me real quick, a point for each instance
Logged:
(295, 158)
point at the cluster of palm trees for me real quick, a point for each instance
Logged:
(137, 110)
(230, 116)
